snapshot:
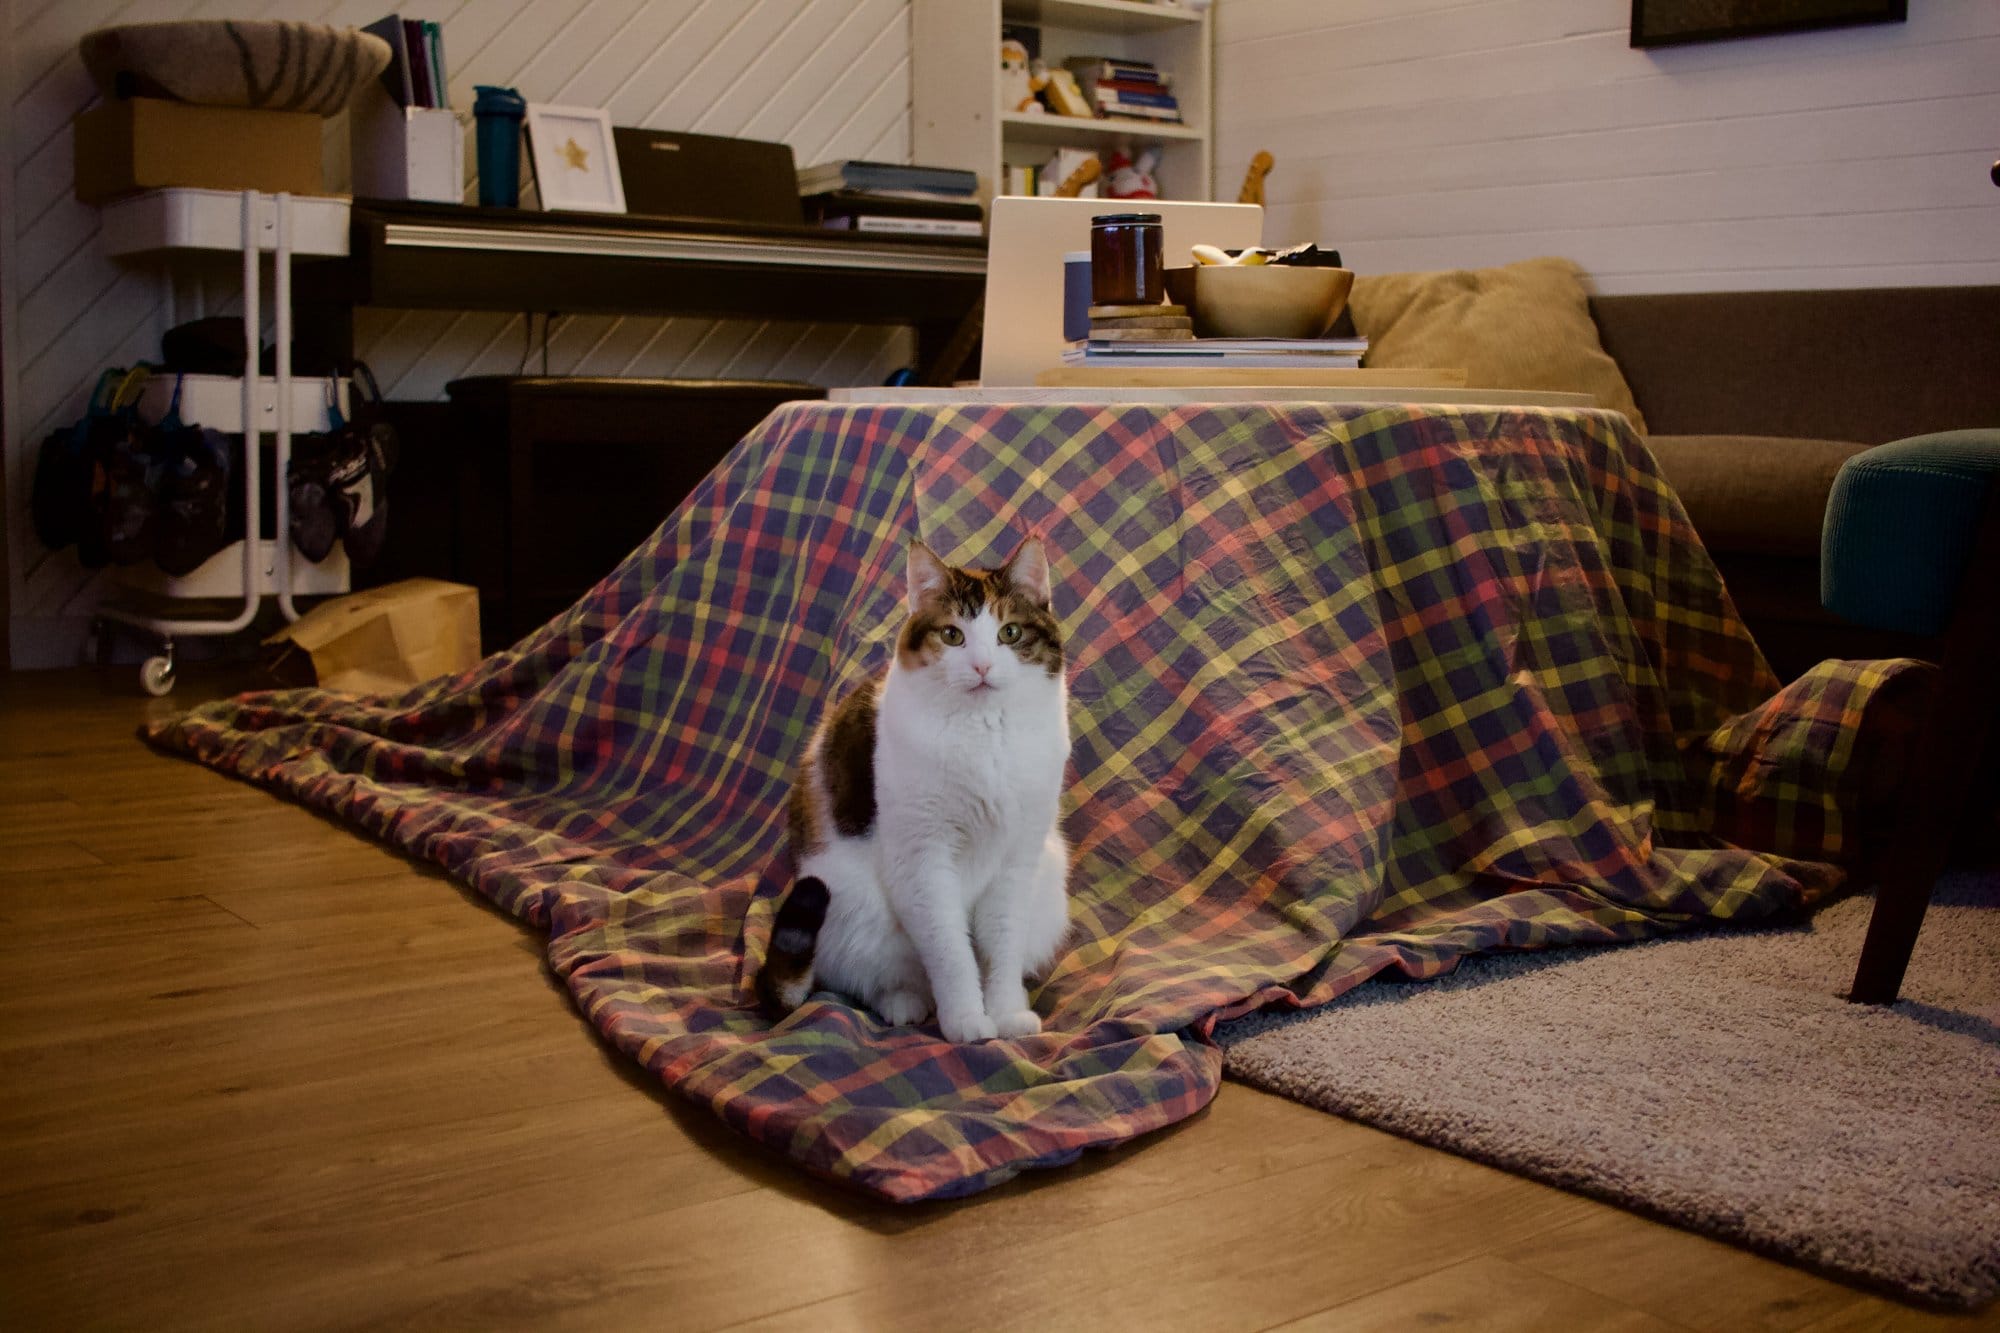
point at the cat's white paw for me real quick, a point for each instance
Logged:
(975, 1026)
(1020, 1023)
(903, 1008)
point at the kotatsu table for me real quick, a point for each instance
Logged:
(1355, 687)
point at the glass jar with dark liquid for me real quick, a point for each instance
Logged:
(1125, 264)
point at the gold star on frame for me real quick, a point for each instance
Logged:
(577, 156)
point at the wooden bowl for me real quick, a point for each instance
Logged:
(263, 63)
(1260, 300)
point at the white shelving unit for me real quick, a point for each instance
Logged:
(261, 408)
(957, 119)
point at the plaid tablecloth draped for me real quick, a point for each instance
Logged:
(1353, 688)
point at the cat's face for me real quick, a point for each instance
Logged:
(981, 633)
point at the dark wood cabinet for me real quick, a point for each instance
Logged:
(556, 480)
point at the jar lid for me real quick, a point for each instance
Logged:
(1116, 219)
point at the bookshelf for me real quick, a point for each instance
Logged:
(957, 120)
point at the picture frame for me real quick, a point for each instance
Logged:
(574, 158)
(1680, 22)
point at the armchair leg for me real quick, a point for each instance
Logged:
(1902, 897)
(1954, 735)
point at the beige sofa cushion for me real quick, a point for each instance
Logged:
(1520, 326)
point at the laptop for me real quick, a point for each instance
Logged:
(670, 174)
(1027, 238)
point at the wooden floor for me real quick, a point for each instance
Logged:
(247, 1081)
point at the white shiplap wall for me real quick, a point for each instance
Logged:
(1423, 134)
(829, 77)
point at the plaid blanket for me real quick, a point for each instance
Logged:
(1354, 688)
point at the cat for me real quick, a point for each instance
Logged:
(925, 814)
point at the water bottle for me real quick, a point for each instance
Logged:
(499, 112)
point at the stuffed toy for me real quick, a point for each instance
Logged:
(1021, 80)
(1127, 179)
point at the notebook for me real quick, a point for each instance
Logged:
(670, 174)
(1027, 238)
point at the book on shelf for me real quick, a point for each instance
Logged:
(904, 226)
(1090, 70)
(871, 203)
(395, 78)
(420, 60)
(858, 175)
(416, 73)
(1138, 94)
(434, 50)
(1131, 111)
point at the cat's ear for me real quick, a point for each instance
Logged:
(927, 572)
(1029, 568)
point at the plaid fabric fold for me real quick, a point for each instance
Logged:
(1354, 688)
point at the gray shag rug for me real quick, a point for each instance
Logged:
(1717, 1081)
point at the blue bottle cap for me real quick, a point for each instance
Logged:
(494, 101)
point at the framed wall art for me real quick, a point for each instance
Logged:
(574, 158)
(1677, 22)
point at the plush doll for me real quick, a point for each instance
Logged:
(1020, 79)
(1038, 87)
(1128, 179)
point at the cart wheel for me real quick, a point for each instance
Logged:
(156, 676)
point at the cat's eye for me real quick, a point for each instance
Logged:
(1010, 633)
(952, 635)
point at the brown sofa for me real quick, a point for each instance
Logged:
(1754, 399)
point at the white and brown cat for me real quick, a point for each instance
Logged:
(925, 815)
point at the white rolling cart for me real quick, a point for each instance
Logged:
(259, 407)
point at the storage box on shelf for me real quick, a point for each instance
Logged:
(957, 118)
(144, 143)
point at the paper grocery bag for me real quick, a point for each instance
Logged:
(382, 640)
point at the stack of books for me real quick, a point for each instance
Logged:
(1218, 353)
(892, 198)
(1127, 89)
(416, 75)
(1155, 323)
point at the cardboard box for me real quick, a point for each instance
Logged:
(381, 641)
(145, 143)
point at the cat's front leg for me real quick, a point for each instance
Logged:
(928, 896)
(1018, 926)
(997, 927)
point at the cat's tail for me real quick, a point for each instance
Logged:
(787, 975)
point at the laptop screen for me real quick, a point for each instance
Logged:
(1026, 241)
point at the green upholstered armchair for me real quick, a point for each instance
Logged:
(1911, 542)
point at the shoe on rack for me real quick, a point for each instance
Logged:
(364, 497)
(194, 501)
(132, 477)
(315, 513)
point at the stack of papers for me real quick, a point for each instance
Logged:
(1223, 353)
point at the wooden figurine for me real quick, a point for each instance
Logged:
(1253, 179)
